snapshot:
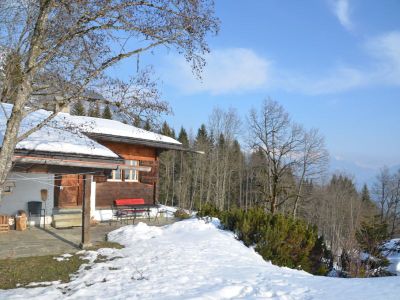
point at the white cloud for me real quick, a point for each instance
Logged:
(383, 68)
(235, 70)
(386, 50)
(228, 70)
(337, 80)
(341, 9)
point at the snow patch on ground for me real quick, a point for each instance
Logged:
(63, 257)
(391, 250)
(194, 259)
(140, 232)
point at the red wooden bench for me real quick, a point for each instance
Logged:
(130, 208)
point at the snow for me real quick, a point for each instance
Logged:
(391, 250)
(67, 134)
(193, 259)
(116, 128)
(57, 136)
(64, 257)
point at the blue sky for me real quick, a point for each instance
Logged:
(334, 65)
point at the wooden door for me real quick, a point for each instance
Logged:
(70, 191)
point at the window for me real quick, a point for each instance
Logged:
(127, 174)
(115, 175)
(131, 174)
(8, 187)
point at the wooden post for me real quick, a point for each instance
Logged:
(87, 183)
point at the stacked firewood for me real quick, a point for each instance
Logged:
(4, 225)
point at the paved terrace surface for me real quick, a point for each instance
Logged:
(37, 241)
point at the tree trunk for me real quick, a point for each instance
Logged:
(296, 201)
(273, 206)
(11, 133)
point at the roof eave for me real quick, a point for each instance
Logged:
(66, 159)
(136, 141)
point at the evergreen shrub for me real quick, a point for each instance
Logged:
(181, 214)
(277, 238)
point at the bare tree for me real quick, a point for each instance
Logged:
(312, 162)
(395, 199)
(272, 132)
(386, 192)
(381, 191)
(289, 151)
(54, 51)
(136, 101)
(224, 125)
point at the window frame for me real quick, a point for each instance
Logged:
(113, 176)
(132, 172)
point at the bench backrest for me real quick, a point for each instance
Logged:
(130, 201)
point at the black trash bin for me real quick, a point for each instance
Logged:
(34, 208)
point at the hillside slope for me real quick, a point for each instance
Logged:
(196, 260)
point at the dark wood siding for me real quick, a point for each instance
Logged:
(149, 177)
(134, 152)
(107, 192)
(146, 188)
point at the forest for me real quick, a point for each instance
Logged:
(269, 161)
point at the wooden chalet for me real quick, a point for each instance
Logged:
(136, 176)
(85, 166)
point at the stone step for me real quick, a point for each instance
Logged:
(61, 217)
(67, 223)
(67, 210)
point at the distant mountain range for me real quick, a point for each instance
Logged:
(360, 174)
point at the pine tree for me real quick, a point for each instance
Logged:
(137, 121)
(166, 130)
(221, 141)
(107, 113)
(202, 135)
(94, 110)
(183, 137)
(147, 125)
(173, 134)
(202, 141)
(370, 237)
(365, 197)
(78, 109)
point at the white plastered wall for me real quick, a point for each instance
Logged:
(27, 188)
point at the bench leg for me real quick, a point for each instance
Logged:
(156, 218)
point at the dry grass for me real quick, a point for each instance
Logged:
(105, 244)
(19, 272)
(22, 271)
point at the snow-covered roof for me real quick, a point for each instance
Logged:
(68, 134)
(57, 136)
(116, 128)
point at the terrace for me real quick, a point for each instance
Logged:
(37, 241)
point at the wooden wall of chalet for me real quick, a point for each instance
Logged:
(107, 191)
(146, 188)
(134, 152)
